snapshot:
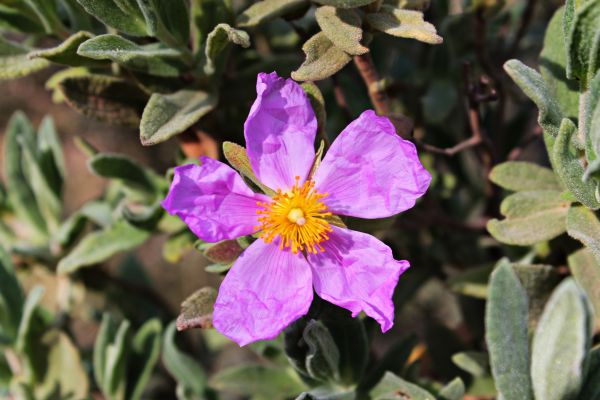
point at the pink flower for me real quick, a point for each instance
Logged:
(368, 172)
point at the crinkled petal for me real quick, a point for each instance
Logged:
(370, 171)
(265, 290)
(213, 200)
(358, 272)
(280, 132)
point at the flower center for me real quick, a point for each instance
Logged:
(298, 216)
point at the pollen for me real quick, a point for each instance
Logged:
(297, 216)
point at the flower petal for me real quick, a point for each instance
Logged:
(370, 171)
(213, 200)
(359, 273)
(280, 132)
(265, 290)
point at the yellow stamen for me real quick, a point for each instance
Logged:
(297, 216)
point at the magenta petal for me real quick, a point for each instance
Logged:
(370, 171)
(265, 290)
(359, 273)
(280, 132)
(213, 200)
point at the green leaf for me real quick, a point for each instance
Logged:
(583, 225)
(50, 155)
(166, 115)
(323, 59)
(11, 297)
(108, 329)
(591, 388)
(532, 83)
(585, 268)
(15, 62)
(317, 102)
(145, 352)
(115, 369)
(404, 23)
(66, 52)
(123, 15)
(532, 217)
(472, 282)
(524, 176)
(27, 316)
(20, 195)
(65, 371)
(538, 282)
(105, 98)
(568, 167)
(168, 21)
(342, 27)
(197, 309)
(506, 333)
(238, 158)
(393, 387)
(553, 63)
(100, 245)
(583, 43)
(590, 126)
(560, 344)
(47, 14)
(188, 373)
(345, 3)
(18, 18)
(206, 14)
(475, 363)
(267, 10)
(178, 245)
(218, 41)
(455, 390)
(323, 357)
(249, 380)
(118, 166)
(152, 59)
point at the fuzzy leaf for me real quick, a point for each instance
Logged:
(168, 21)
(238, 158)
(267, 10)
(66, 52)
(345, 3)
(582, 43)
(115, 370)
(524, 176)
(583, 225)
(100, 245)
(323, 357)
(323, 59)
(590, 125)
(151, 59)
(477, 364)
(46, 11)
(317, 101)
(145, 352)
(197, 309)
(21, 195)
(216, 43)
(15, 62)
(560, 344)
(27, 315)
(585, 268)
(538, 281)
(166, 115)
(117, 166)
(188, 373)
(553, 64)
(532, 83)
(123, 15)
(342, 27)
(11, 297)
(568, 167)
(405, 24)
(506, 333)
(105, 335)
(249, 380)
(532, 217)
(394, 387)
(106, 98)
(455, 390)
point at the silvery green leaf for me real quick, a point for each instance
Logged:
(407, 24)
(323, 59)
(15, 62)
(391, 385)
(123, 15)
(560, 344)
(583, 225)
(145, 352)
(66, 52)
(582, 43)
(11, 297)
(506, 333)
(218, 41)
(249, 379)
(342, 27)
(168, 21)
(524, 176)
(585, 268)
(455, 390)
(323, 357)
(266, 10)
